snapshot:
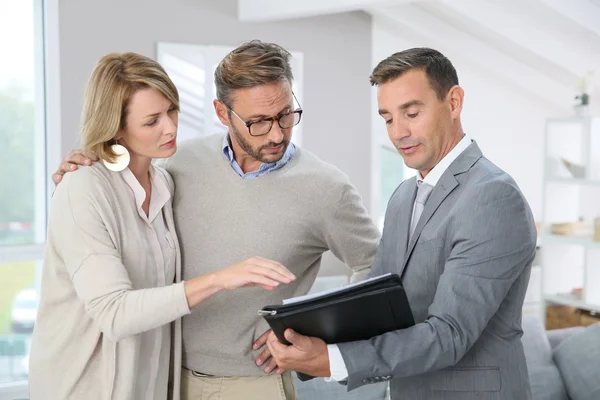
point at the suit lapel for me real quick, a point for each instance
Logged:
(444, 187)
(404, 215)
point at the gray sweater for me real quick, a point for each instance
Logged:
(292, 215)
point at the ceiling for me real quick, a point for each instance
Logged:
(549, 44)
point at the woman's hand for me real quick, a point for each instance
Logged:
(255, 271)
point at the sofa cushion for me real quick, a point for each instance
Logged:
(578, 360)
(319, 389)
(546, 383)
(544, 377)
(556, 336)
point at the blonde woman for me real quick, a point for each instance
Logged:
(111, 298)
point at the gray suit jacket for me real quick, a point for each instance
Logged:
(465, 272)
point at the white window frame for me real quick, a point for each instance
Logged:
(48, 152)
(47, 98)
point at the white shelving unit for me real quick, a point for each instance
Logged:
(585, 241)
(571, 261)
(570, 300)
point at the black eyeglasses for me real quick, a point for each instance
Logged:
(263, 126)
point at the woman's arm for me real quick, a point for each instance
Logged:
(80, 213)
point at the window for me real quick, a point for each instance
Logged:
(191, 67)
(22, 218)
(24, 182)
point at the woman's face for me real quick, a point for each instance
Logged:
(151, 125)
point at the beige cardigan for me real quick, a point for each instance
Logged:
(95, 297)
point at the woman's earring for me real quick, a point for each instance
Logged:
(122, 160)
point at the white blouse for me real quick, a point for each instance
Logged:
(155, 345)
(108, 301)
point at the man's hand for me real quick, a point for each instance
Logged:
(71, 163)
(266, 354)
(308, 355)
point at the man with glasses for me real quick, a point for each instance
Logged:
(253, 193)
(261, 126)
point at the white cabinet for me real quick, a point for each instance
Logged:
(570, 257)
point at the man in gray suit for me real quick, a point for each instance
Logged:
(462, 237)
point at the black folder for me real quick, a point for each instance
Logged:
(357, 312)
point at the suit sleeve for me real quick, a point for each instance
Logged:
(491, 247)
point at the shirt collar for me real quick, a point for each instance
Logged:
(159, 197)
(436, 173)
(264, 167)
(227, 151)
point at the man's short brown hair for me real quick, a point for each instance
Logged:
(439, 70)
(250, 64)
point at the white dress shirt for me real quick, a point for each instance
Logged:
(339, 372)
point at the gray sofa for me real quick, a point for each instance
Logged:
(563, 364)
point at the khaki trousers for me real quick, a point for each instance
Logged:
(196, 386)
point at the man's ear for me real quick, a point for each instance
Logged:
(222, 112)
(456, 97)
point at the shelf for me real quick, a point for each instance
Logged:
(571, 300)
(585, 241)
(575, 181)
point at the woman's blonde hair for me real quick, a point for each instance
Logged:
(115, 79)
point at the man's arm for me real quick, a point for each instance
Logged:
(77, 158)
(492, 245)
(71, 162)
(350, 233)
(351, 216)
(351, 236)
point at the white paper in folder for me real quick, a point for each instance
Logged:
(293, 300)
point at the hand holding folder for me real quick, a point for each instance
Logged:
(355, 312)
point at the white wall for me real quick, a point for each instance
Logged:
(506, 122)
(337, 64)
